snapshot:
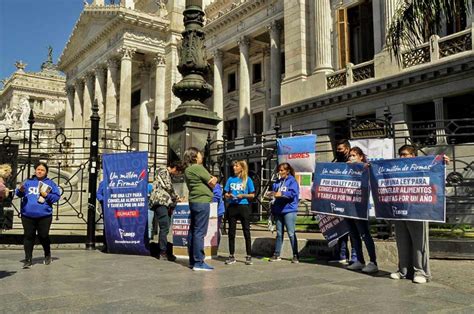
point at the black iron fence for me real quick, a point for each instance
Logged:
(454, 137)
(68, 154)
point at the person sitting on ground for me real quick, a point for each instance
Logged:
(359, 228)
(412, 240)
(239, 190)
(163, 200)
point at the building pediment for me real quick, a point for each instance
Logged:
(97, 23)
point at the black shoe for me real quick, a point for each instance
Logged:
(248, 260)
(47, 260)
(295, 259)
(27, 264)
(164, 256)
(231, 260)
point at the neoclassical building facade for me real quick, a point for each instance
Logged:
(42, 91)
(123, 55)
(311, 64)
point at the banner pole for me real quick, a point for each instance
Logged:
(93, 157)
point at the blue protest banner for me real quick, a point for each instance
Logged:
(126, 202)
(341, 189)
(300, 153)
(332, 228)
(409, 188)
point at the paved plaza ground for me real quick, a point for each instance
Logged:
(90, 281)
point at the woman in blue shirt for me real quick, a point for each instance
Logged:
(238, 190)
(38, 195)
(286, 193)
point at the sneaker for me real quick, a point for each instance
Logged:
(231, 260)
(248, 260)
(47, 260)
(396, 276)
(419, 279)
(370, 268)
(275, 258)
(202, 267)
(356, 266)
(338, 261)
(295, 259)
(27, 264)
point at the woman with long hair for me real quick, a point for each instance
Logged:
(200, 184)
(359, 228)
(285, 208)
(239, 190)
(5, 173)
(38, 194)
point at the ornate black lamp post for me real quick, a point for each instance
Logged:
(190, 123)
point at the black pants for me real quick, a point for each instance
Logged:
(31, 226)
(242, 213)
(161, 215)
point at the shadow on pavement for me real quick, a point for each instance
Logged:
(4, 274)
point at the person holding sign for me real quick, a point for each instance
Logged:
(360, 229)
(239, 190)
(200, 184)
(285, 208)
(412, 240)
(38, 195)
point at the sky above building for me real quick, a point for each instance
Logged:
(28, 27)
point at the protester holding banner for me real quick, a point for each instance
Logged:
(100, 199)
(285, 208)
(38, 194)
(239, 190)
(341, 254)
(359, 228)
(200, 184)
(163, 199)
(412, 240)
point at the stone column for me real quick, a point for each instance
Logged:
(111, 94)
(267, 121)
(160, 112)
(439, 116)
(68, 114)
(99, 95)
(218, 91)
(275, 63)
(144, 119)
(125, 88)
(78, 97)
(78, 118)
(389, 9)
(89, 82)
(323, 26)
(243, 127)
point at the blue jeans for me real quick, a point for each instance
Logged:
(151, 215)
(289, 221)
(360, 229)
(197, 232)
(342, 250)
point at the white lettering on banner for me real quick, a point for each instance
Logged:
(334, 208)
(123, 234)
(343, 183)
(404, 168)
(408, 181)
(344, 172)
